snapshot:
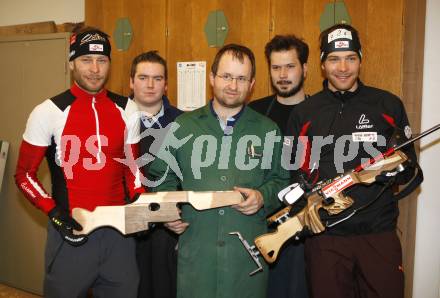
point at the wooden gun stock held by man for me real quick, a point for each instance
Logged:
(151, 208)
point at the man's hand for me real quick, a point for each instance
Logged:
(386, 177)
(253, 202)
(177, 226)
(65, 225)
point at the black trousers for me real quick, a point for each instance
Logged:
(156, 253)
(106, 264)
(355, 266)
(287, 277)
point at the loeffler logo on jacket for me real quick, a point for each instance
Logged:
(364, 123)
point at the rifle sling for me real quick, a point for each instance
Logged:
(384, 187)
(412, 184)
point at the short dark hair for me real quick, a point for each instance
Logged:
(285, 43)
(237, 51)
(150, 56)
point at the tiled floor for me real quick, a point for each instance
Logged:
(8, 292)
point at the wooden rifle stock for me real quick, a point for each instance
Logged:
(149, 208)
(270, 244)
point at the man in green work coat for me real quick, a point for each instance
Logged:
(222, 146)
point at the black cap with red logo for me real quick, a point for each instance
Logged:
(89, 42)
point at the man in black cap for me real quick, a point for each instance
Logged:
(359, 254)
(83, 132)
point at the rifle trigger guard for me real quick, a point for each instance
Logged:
(328, 201)
(252, 250)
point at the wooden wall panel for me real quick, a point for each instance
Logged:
(148, 32)
(287, 17)
(113, 10)
(186, 40)
(93, 13)
(412, 84)
(413, 41)
(312, 14)
(248, 24)
(383, 38)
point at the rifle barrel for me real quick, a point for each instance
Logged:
(421, 135)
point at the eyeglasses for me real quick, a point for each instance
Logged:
(229, 78)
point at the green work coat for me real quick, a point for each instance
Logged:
(212, 263)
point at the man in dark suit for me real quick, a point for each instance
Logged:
(156, 250)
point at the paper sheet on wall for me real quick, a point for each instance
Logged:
(3, 155)
(191, 85)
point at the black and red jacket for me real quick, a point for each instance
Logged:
(83, 137)
(366, 111)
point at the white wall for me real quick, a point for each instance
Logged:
(13, 12)
(427, 258)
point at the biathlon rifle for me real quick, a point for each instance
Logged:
(328, 195)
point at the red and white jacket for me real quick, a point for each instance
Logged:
(84, 137)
